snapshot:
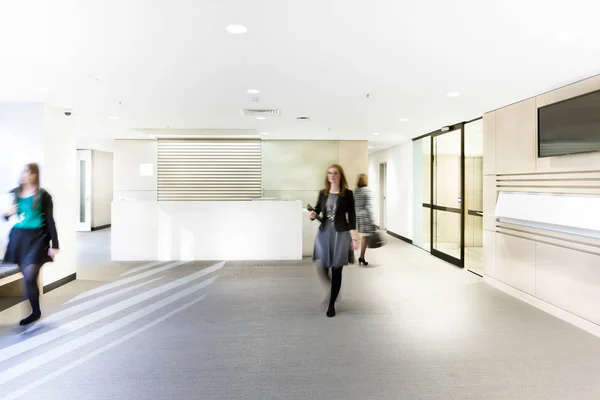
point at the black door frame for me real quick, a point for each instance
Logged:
(459, 262)
(452, 260)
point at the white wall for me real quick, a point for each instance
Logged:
(102, 188)
(21, 142)
(21, 136)
(96, 143)
(59, 177)
(128, 183)
(399, 187)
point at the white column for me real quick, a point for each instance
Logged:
(59, 176)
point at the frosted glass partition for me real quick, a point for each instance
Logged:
(418, 238)
(422, 193)
(575, 214)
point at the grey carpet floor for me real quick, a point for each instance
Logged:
(410, 327)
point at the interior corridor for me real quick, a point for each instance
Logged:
(409, 326)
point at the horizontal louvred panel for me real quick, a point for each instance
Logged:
(209, 170)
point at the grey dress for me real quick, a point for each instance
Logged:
(333, 248)
(364, 211)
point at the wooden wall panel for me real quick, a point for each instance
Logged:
(489, 143)
(490, 195)
(569, 279)
(515, 262)
(516, 127)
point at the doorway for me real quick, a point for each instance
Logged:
(84, 191)
(447, 193)
(382, 196)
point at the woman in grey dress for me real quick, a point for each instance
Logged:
(334, 244)
(364, 214)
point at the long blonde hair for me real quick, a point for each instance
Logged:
(343, 181)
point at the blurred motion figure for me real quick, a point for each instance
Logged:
(33, 240)
(334, 244)
(364, 214)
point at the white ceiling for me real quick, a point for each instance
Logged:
(172, 64)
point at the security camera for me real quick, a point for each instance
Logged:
(68, 113)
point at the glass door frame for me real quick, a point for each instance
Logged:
(452, 260)
(446, 257)
(84, 191)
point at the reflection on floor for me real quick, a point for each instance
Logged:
(408, 327)
(473, 255)
(474, 259)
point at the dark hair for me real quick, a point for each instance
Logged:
(363, 180)
(343, 181)
(34, 169)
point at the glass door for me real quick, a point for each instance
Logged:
(422, 193)
(84, 189)
(447, 193)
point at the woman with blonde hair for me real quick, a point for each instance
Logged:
(334, 244)
(33, 240)
(364, 214)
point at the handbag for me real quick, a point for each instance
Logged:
(376, 240)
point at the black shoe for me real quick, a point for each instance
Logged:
(331, 312)
(32, 318)
(361, 261)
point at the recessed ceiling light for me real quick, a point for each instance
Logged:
(261, 118)
(113, 117)
(376, 134)
(403, 120)
(253, 91)
(236, 29)
(453, 94)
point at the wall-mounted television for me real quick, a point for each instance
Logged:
(570, 127)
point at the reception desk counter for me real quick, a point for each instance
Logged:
(248, 230)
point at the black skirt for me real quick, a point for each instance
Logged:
(27, 247)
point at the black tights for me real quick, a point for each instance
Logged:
(336, 282)
(31, 274)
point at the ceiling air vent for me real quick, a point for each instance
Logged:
(260, 112)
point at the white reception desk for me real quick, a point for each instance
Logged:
(248, 230)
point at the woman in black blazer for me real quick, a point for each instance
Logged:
(334, 244)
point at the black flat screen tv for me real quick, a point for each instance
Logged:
(570, 127)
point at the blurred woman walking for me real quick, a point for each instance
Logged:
(334, 244)
(364, 214)
(33, 240)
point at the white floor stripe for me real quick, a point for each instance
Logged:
(43, 338)
(34, 362)
(89, 356)
(59, 316)
(125, 281)
(141, 268)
